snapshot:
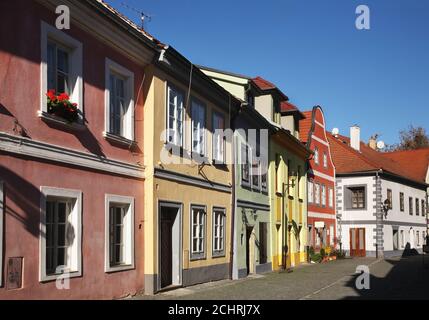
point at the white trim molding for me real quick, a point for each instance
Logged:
(2, 209)
(312, 214)
(319, 140)
(44, 151)
(321, 175)
(49, 32)
(74, 219)
(128, 233)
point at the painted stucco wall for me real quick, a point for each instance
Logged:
(23, 179)
(289, 207)
(403, 221)
(164, 190)
(264, 104)
(23, 176)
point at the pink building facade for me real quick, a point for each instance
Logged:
(71, 193)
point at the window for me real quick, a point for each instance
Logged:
(410, 205)
(119, 247)
(198, 127)
(175, 116)
(355, 197)
(219, 219)
(316, 155)
(245, 169)
(418, 238)
(60, 236)
(310, 192)
(423, 208)
(331, 197)
(389, 197)
(417, 207)
(323, 195)
(279, 185)
(119, 101)
(317, 193)
(61, 67)
(255, 171)
(424, 237)
(325, 160)
(218, 138)
(402, 239)
(198, 234)
(264, 175)
(2, 197)
(401, 201)
(58, 68)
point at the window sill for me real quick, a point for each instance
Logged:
(120, 268)
(118, 140)
(219, 255)
(197, 258)
(59, 122)
(55, 277)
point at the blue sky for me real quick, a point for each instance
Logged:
(311, 50)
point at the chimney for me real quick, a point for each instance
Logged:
(355, 137)
(372, 143)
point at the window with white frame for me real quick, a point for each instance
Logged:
(175, 116)
(402, 238)
(245, 164)
(264, 176)
(323, 195)
(119, 101)
(60, 233)
(310, 192)
(418, 238)
(331, 197)
(198, 234)
(61, 66)
(218, 138)
(2, 197)
(198, 127)
(219, 219)
(255, 171)
(316, 155)
(317, 193)
(325, 160)
(119, 231)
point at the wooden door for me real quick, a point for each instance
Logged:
(166, 253)
(249, 231)
(357, 242)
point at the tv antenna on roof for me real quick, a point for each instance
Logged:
(143, 16)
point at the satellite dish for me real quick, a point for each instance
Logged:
(381, 145)
(335, 132)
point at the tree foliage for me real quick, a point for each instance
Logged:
(411, 139)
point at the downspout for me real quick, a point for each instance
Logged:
(233, 201)
(379, 214)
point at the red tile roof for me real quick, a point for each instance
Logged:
(263, 84)
(305, 126)
(348, 160)
(413, 161)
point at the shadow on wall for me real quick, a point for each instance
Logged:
(22, 195)
(408, 278)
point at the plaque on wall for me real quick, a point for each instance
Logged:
(14, 274)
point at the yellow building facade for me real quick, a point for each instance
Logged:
(188, 185)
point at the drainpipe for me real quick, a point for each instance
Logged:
(233, 202)
(379, 216)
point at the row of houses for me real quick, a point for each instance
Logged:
(129, 169)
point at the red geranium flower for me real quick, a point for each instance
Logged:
(63, 97)
(51, 94)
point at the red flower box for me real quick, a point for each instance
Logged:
(60, 106)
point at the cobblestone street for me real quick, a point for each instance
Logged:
(396, 278)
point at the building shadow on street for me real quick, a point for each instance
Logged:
(407, 279)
